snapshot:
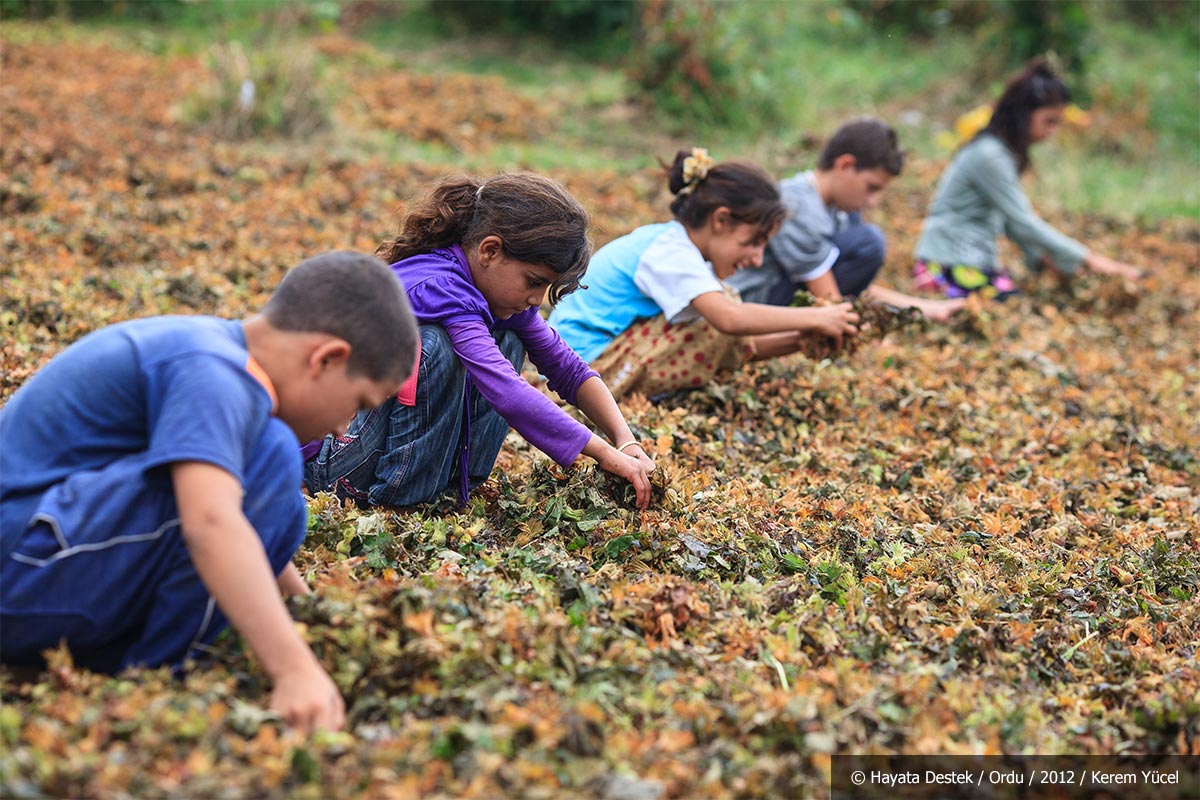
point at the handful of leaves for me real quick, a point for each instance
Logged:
(593, 488)
(875, 322)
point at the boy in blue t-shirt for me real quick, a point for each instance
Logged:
(150, 477)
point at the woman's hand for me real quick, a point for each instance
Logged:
(940, 310)
(1103, 265)
(634, 466)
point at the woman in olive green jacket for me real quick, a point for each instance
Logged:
(980, 196)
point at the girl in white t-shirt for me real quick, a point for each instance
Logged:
(656, 315)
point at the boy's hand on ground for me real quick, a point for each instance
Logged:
(231, 561)
(307, 699)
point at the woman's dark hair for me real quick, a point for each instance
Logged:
(537, 220)
(749, 194)
(1036, 86)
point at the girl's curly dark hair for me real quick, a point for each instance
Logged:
(536, 218)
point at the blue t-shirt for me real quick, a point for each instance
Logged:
(654, 270)
(167, 389)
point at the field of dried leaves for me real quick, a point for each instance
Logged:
(972, 538)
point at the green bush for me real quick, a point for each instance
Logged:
(1156, 13)
(156, 10)
(273, 88)
(571, 21)
(922, 18)
(1027, 28)
(707, 61)
(202, 15)
(1007, 32)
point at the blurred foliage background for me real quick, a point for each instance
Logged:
(629, 80)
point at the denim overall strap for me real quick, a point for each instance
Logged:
(464, 448)
(399, 455)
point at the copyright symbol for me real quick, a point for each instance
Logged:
(858, 777)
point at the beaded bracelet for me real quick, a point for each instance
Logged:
(627, 444)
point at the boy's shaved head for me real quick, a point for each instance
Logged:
(354, 297)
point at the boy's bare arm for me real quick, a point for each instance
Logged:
(290, 582)
(773, 345)
(824, 287)
(936, 309)
(231, 561)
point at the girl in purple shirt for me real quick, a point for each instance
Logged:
(478, 259)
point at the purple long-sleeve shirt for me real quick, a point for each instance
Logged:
(442, 292)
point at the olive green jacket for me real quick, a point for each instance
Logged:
(978, 198)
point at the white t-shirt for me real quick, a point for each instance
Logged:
(654, 270)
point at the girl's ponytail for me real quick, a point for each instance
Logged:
(536, 218)
(1035, 86)
(701, 187)
(440, 219)
(687, 170)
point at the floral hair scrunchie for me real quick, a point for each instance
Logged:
(695, 169)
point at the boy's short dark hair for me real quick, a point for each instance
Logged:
(354, 297)
(872, 142)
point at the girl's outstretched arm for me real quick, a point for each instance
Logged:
(596, 401)
(1103, 265)
(531, 413)
(751, 319)
(625, 466)
(825, 287)
(631, 461)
